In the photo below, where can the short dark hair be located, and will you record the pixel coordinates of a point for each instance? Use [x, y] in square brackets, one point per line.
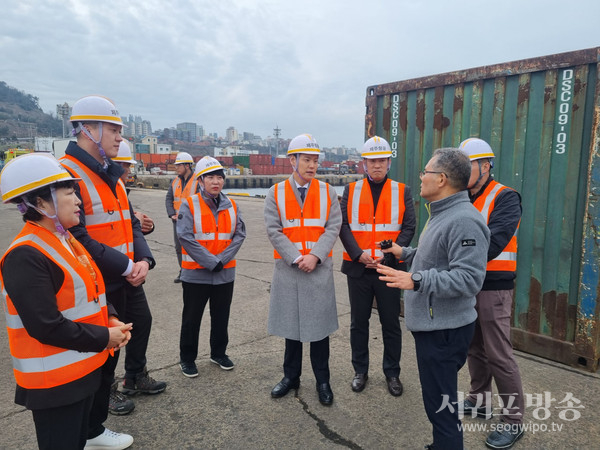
[455, 164]
[45, 194]
[218, 172]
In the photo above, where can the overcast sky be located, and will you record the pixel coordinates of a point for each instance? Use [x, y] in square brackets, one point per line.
[302, 64]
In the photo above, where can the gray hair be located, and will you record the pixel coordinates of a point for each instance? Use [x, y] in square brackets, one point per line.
[455, 164]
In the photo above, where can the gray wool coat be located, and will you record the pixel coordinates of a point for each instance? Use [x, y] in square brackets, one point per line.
[302, 304]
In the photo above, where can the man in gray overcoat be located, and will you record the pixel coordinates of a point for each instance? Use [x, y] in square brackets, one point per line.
[303, 220]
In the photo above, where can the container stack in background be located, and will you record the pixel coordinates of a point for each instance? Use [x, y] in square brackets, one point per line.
[263, 164]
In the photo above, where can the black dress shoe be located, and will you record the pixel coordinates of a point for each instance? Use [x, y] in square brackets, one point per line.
[325, 394]
[359, 382]
[394, 386]
[284, 386]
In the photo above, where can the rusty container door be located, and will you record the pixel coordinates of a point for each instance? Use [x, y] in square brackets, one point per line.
[541, 117]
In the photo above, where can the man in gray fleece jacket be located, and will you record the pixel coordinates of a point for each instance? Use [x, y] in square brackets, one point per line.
[447, 271]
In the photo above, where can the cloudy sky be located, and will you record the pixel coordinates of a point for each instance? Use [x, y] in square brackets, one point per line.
[302, 64]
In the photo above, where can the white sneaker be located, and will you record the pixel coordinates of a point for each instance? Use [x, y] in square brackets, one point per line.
[109, 440]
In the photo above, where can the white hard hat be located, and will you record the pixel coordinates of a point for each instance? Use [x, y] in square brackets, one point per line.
[207, 165]
[95, 108]
[124, 154]
[476, 148]
[184, 158]
[304, 143]
[375, 148]
[29, 172]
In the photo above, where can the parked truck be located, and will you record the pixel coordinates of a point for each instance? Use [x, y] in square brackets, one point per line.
[11, 153]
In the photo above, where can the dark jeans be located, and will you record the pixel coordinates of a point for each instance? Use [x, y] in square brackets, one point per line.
[319, 359]
[361, 292]
[195, 297]
[64, 427]
[440, 355]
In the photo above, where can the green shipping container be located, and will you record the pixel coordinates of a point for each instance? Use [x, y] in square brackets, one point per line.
[542, 118]
[242, 160]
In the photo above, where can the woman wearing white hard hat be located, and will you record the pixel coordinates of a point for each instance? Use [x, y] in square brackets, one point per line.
[60, 330]
[211, 231]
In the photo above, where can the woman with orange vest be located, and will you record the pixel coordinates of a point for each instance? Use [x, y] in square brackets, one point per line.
[211, 232]
[59, 329]
[179, 190]
[303, 220]
[374, 209]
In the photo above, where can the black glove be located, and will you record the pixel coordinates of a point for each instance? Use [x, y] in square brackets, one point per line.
[218, 267]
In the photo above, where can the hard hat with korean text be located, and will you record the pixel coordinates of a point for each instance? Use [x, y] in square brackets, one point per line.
[95, 108]
[375, 148]
[304, 143]
[207, 165]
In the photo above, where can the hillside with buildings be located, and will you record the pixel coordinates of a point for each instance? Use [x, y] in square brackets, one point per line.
[21, 117]
[23, 125]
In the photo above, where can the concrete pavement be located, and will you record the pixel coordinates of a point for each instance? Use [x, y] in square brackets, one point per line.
[234, 409]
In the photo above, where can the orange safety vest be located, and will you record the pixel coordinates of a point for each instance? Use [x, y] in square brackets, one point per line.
[81, 298]
[193, 186]
[303, 225]
[107, 218]
[180, 192]
[370, 226]
[507, 260]
[215, 236]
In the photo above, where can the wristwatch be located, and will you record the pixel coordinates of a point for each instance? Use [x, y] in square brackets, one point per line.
[416, 279]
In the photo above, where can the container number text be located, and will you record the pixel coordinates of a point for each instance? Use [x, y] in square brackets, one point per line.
[564, 108]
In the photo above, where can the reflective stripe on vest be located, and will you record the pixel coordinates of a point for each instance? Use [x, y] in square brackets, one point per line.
[370, 226]
[215, 236]
[79, 299]
[180, 193]
[303, 225]
[507, 260]
[107, 218]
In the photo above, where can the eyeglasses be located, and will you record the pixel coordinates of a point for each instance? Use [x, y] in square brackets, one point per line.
[423, 172]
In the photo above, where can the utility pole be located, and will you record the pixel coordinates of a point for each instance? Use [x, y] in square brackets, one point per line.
[63, 111]
[277, 133]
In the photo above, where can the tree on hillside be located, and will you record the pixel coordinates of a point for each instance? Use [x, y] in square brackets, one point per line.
[11, 95]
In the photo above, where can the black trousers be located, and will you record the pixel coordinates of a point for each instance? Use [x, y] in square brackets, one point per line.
[131, 306]
[361, 292]
[177, 244]
[63, 427]
[195, 297]
[440, 355]
[319, 359]
[138, 312]
[99, 411]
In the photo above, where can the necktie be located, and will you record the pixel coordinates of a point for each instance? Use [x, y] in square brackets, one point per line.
[302, 192]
